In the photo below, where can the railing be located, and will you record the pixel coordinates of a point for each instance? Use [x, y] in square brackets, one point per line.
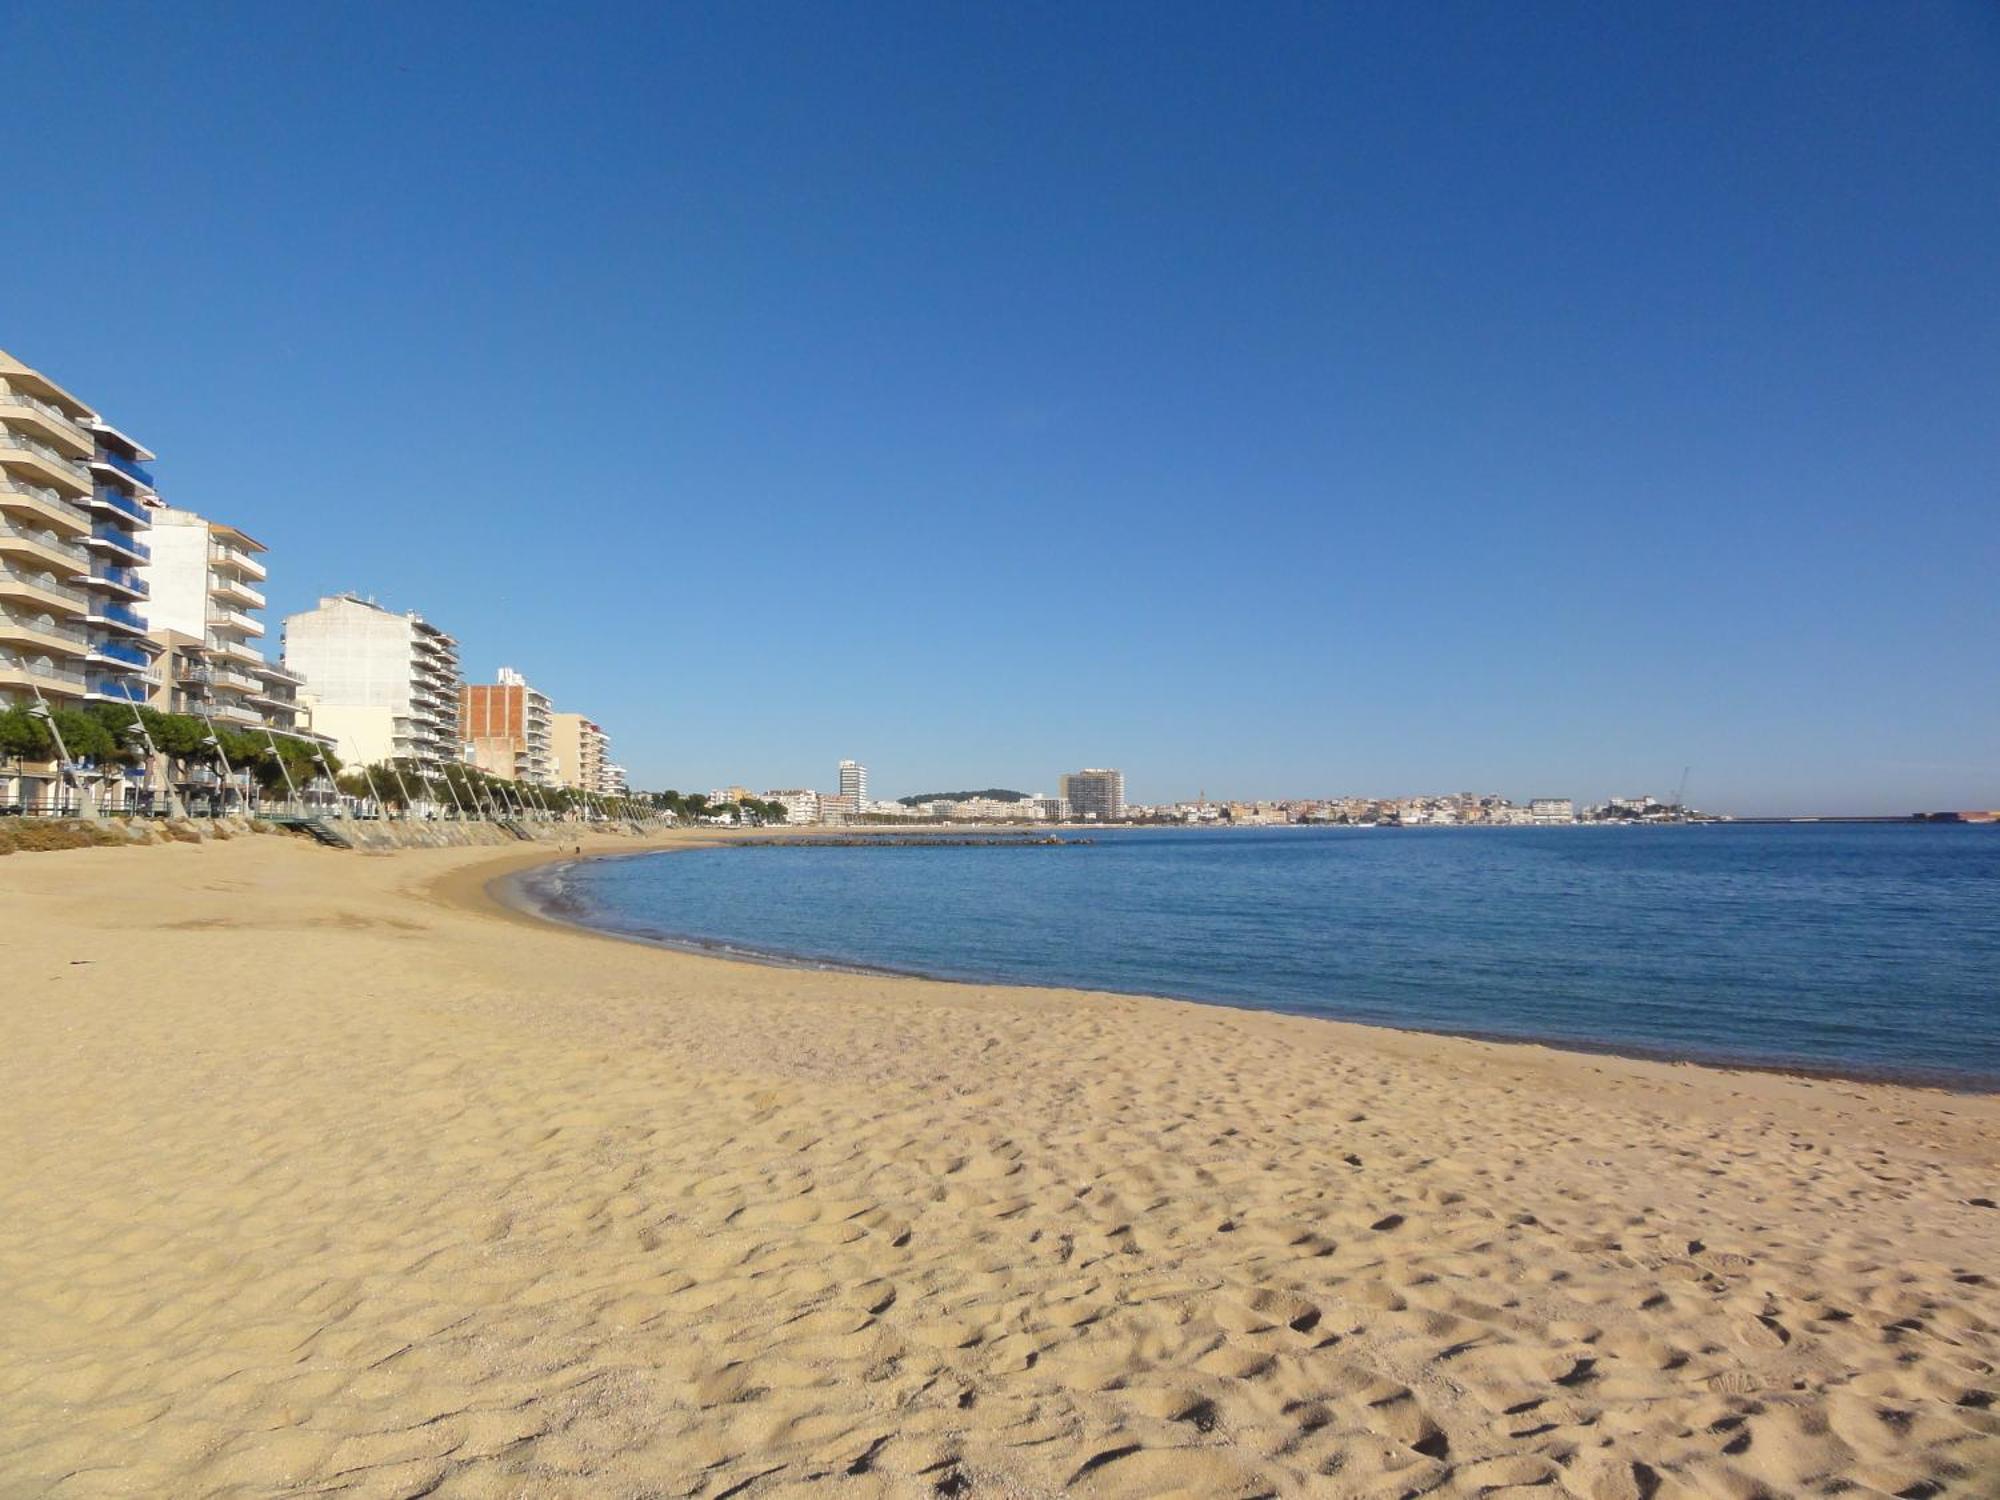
[241, 650]
[132, 656]
[117, 687]
[236, 557]
[126, 466]
[187, 671]
[33, 534]
[104, 531]
[20, 440]
[125, 578]
[12, 397]
[234, 678]
[35, 491]
[121, 613]
[41, 581]
[47, 671]
[222, 583]
[118, 500]
[44, 625]
[236, 619]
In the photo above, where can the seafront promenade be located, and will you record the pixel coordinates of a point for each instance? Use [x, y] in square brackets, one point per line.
[327, 1173]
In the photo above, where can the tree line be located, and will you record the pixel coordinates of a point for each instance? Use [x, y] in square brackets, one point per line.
[101, 734]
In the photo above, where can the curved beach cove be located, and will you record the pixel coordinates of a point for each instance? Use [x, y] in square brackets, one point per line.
[327, 1174]
[1866, 951]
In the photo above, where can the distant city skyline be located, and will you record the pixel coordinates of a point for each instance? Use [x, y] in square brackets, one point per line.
[1391, 401]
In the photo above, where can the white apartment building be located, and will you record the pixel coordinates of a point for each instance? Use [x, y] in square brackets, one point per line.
[203, 579]
[1551, 810]
[801, 804]
[379, 683]
[614, 782]
[854, 784]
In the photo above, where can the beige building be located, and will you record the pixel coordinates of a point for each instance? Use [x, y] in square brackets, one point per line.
[581, 750]
[45, 534]
[74, 505]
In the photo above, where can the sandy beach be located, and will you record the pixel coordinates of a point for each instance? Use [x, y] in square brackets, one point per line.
[323, 1173]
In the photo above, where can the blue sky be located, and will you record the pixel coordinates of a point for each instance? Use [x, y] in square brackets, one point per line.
[1267, 399]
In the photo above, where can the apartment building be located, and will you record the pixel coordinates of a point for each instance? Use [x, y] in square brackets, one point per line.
[67, 540]
[74, 494]
[44, 523]
[801, 804]
[854, 784]
[579, 750]
[1552, 810]
[204, 578]
[380, 684]
[1097, 794]
[614, 781]
[509, 728]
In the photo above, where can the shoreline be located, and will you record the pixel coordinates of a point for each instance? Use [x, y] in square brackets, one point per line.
[514, 891]
[328, 1171]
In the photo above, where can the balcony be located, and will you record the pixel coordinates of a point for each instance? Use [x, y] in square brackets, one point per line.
[110, 575]
[117, 689]
[48, 631]
[50, 416]
[138, 473]
[123, 504]
[18, 447]
[105, 537]
[110, 612]
[22, 498]
[118, 651]
[224, 555]
[234, 650]
[192, 671]
[40, 586]
[227, 587]
[43, 546]
[235, 619]
[41, 672]
[234, 677]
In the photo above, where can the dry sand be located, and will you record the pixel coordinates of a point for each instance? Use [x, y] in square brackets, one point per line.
[319, 1174]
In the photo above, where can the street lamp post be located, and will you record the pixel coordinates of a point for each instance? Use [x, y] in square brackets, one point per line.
[86, 804]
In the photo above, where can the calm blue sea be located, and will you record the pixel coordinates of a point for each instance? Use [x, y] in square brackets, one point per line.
[1862, 949]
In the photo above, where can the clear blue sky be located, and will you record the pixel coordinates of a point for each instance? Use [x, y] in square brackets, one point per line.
[1267, 399]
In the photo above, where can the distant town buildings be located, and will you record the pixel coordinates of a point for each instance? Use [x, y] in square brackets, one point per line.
[1095, 795]
[1552, 810]
[383, 685]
